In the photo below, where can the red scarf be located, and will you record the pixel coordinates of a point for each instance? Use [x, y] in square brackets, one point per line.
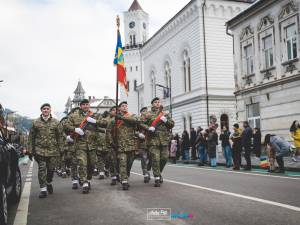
[155, 122]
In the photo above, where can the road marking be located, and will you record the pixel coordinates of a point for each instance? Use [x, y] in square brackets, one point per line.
[228, 171]
[232, 194]
[22, 212]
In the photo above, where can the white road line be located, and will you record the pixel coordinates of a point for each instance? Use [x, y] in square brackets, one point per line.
[233, 194]
[229, 171]
[22, 212]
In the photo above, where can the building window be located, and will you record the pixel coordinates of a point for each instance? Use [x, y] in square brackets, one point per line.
[135, 85]
[291, 41]
[186, 71]
[136, 68]
[190, 122]
[132, 40]
[153, 82]
[167, 80]
[253, 115]
[248, 60]
[268, 52]
[131, 69]
[184, 123]
[128, 86]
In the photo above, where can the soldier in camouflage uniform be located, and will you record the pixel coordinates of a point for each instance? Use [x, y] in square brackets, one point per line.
[143, 150]
[110, 144]
[102, 154]
[45, 144]
[126, 128]
[160, 124]
[84, 124]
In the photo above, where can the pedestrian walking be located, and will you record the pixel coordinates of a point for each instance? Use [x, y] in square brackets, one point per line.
[227, 151]
[45, 143]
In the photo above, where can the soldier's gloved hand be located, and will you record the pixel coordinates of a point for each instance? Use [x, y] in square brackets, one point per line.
[79, 131]
[164, 119]
[91, 120]
[141, 135]
[69, 139]
[151, 129]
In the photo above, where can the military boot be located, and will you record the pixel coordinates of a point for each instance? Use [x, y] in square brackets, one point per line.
[125, 185]
[161, 180]
[147, 178]
[64, 175]
[75, 184]
[113, 181]
[101, 175]
[157, 182]
[106, 172]
[85, 188]
[50, 188]
[43, 193]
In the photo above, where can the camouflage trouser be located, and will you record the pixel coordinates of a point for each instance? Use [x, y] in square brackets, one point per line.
[46, 169]
[86, 160]
[113, 164]
[71, 162]
[159, 156]
[102, 159]
[125, 163]
[144, 154]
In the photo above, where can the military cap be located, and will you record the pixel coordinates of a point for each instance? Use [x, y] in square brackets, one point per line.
[44, 105]
[142, 109]
[84, 101]
[124, 102]
[114, 107]
[156, 98]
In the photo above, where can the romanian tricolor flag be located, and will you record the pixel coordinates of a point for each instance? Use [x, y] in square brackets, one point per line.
[119, 62]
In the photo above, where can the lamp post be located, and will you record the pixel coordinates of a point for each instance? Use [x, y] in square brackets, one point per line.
[170, 95]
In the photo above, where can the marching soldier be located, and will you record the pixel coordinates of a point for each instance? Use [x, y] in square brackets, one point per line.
[83, 124]
[144, 153]
[126, 128]
[45, 144]
[110, 144]
[158, 139]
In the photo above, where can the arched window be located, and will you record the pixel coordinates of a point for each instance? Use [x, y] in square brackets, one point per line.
[153, 82]
[167, 80]
[186, 71]
[132, 40]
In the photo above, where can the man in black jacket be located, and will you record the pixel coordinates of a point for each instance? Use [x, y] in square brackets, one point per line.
[246, 143]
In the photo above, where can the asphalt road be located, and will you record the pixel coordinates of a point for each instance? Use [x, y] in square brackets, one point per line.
[197, 195]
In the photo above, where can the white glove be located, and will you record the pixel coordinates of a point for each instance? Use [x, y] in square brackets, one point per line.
[91, 120]
[164, 119]
[79, 131]
[141, 136]
[69, 139]
[152, 129]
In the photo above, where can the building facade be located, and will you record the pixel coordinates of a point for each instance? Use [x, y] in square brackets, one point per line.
[187, 63]
[266, 62]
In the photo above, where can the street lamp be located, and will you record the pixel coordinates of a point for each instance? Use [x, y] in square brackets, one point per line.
[170, 95]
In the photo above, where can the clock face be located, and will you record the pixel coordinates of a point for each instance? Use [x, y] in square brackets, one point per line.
[132, 24]
[144, 25]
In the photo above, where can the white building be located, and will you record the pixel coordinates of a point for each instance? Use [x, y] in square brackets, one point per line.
[266, 60]
[191, 55]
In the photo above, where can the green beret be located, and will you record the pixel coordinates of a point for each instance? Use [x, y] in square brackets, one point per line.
[156, 98]
[84, 101]
[124, 102]
[44, 105]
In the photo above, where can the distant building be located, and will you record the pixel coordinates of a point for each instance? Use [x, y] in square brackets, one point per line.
[98, 105]
[187, 62]
[267, 66]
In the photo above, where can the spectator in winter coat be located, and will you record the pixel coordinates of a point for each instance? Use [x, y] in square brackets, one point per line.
[257, 142]
[224, 138]
[246, 143]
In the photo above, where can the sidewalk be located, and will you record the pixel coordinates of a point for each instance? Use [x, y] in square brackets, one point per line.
[289, 164]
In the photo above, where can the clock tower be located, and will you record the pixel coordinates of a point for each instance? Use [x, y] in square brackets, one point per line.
[136, 23]
[136, 28]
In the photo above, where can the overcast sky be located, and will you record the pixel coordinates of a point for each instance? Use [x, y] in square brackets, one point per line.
[46, 46]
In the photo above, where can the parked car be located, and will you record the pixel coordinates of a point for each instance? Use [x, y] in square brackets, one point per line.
[10, 177]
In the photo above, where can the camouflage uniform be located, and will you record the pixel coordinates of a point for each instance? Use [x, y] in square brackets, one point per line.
[86, 145]
[112, 155]
[44, 144]
[126, 144]
[158, 141]
[102, 152]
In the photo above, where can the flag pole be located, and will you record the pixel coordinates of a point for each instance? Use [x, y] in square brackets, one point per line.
[117, 93]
